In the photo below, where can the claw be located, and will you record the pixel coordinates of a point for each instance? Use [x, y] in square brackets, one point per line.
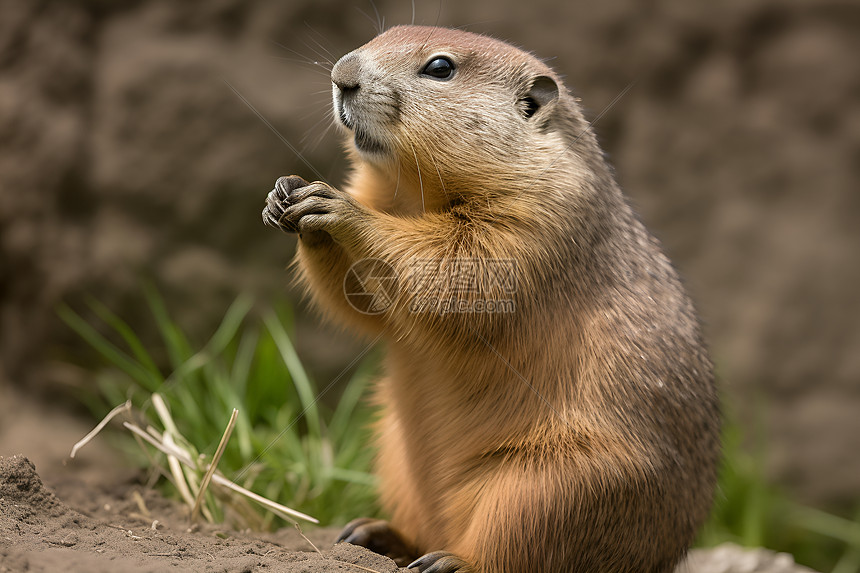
[378, 536]
[351, 526]
[277, 200]
[440, 562]
[287, 185]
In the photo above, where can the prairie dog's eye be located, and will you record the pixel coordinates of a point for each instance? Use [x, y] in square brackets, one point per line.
[439, 68]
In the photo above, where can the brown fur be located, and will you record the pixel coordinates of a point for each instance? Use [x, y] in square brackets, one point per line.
[578, 433]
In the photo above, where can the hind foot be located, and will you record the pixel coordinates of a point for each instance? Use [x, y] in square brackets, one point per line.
[378, 536]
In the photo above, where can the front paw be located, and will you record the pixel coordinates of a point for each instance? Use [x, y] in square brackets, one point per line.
[279, 199]
[318, 209]
[378, 536]
[441, 562]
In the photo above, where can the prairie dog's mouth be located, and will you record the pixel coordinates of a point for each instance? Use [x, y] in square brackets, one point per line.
[341, 112]
[363, 140]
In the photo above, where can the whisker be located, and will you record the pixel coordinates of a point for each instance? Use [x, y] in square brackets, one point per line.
[312, 145]
[433, 28]
[478, 23]
[380, 22]
[397, 185]
[318, 43]
[313, 129]
[314, 106]
[439, 173]
[307, 66]
[438, 14]
[304, 58]
[420, 180]
[272, 128]
[319, 101]
[366, 15]
[322, 56]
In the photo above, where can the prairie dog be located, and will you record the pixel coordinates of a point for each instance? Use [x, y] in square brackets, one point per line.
[576, 430]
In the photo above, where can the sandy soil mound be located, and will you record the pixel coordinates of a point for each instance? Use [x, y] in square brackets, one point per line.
[38, 532]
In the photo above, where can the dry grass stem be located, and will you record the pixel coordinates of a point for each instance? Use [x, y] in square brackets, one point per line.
[183, 457]
[141, 503]
[95, 431]
[195, 511]
[176, 470]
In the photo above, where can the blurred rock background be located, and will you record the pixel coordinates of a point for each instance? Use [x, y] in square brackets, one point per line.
[126, 156]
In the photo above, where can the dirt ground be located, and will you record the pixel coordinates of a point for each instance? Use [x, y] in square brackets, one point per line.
[83, 516]
[92, 514]
[41, 533]
[38, 532]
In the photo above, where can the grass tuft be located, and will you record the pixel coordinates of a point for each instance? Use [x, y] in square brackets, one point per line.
[750, 511]
[286, 443]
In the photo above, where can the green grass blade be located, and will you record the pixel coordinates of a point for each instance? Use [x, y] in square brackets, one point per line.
[178, 349]
[828, 524]
[244, 432]
[244, 360]
[103, 346]
[230, 324]
[353, 476]
[124, 330]
[342, 421]
[304, 387]
[226, 331]
[849, 562]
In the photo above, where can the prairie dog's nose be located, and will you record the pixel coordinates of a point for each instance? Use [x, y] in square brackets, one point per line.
[346, 72]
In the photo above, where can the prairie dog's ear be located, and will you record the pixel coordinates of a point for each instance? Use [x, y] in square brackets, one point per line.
[542, 94]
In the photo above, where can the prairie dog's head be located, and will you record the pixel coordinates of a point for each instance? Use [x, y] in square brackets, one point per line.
[454, 109]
